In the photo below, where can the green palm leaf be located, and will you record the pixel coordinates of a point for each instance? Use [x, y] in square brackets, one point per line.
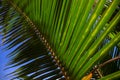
[60, 39]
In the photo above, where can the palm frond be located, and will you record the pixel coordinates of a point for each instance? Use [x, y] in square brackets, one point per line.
[77, 35]
[31, 56]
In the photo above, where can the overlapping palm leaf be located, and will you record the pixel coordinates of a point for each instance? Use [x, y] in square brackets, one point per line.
[31, 56]
[82, 33]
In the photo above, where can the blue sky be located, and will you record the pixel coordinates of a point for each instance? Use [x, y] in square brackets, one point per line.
[4, 60]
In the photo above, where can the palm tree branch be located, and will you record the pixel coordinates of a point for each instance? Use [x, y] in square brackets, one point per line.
[41, 37]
